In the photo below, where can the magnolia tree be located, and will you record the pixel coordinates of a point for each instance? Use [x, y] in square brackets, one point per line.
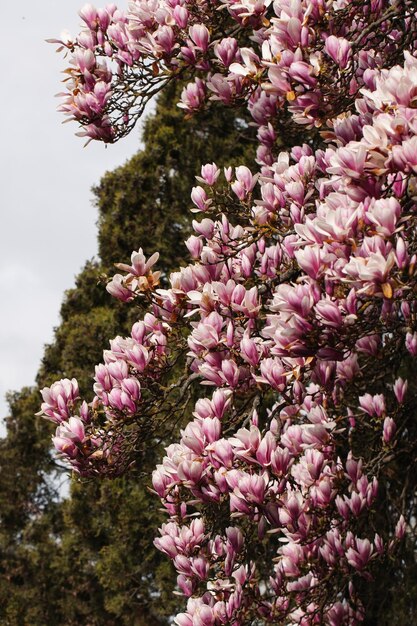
[296, 318]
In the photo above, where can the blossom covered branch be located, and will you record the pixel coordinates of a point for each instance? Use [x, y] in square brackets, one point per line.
[303, 61]
[295, 318]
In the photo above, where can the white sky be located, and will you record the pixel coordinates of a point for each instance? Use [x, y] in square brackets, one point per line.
[47, 219]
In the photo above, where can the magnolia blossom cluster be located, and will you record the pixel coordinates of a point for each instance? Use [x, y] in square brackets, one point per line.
[289, 539]
[301, 285]
[295, 315]
[303, 60]
[87, 435]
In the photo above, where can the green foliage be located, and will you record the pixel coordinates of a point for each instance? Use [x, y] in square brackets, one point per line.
[89, 559]
[24, 458]
[25, 496]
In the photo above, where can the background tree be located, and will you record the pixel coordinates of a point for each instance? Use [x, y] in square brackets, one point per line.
[89, 558]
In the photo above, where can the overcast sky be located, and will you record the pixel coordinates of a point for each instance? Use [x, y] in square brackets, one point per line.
[47, 219]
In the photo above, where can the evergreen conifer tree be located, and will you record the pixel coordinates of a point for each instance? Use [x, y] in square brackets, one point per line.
[89, 558]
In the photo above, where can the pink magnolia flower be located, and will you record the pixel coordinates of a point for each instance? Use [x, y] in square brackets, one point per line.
[339, 49]
[389, 429]
[59, 400]
[193, 95]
